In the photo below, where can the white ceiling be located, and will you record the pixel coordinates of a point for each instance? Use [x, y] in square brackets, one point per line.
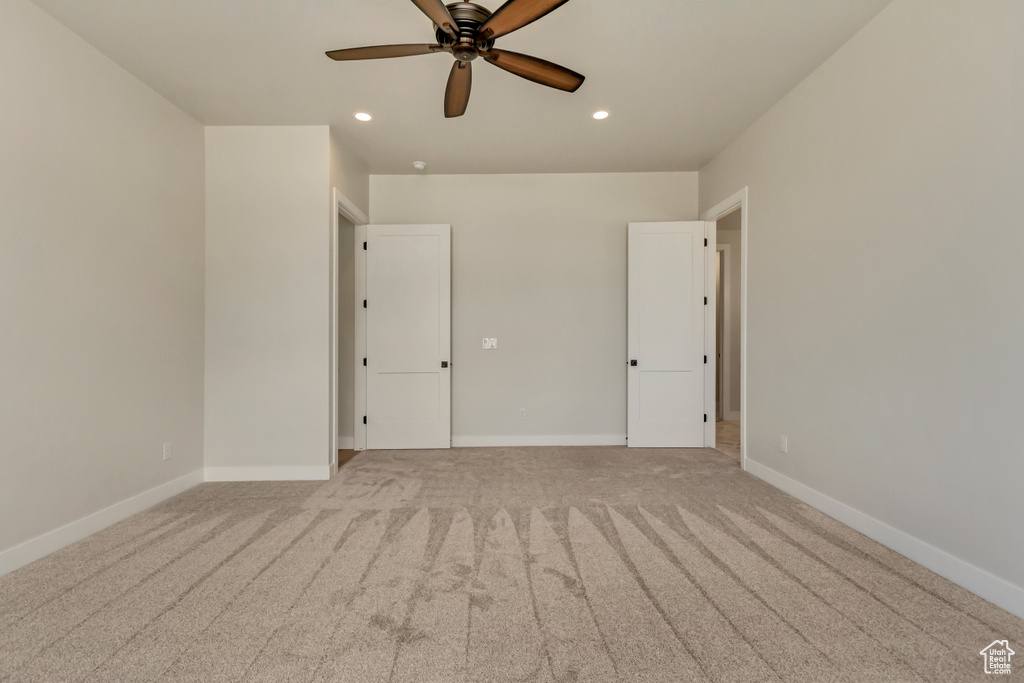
[681, 78]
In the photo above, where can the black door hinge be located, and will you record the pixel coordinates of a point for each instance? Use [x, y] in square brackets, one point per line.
[705, 302]
[364, 303]
[705, 243]
[364, 245]
[364, 361]
[364, 419]
[705, 360]
[705, 417]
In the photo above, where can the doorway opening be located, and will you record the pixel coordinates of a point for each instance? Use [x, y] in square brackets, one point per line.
[728, 363]
[721, 258]
[346, 294]
[730, 339]
[347, 232]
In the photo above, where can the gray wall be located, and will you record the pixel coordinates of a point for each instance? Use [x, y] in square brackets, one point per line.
[101, 281]
[350, 175]
[268, 287]
[538, 261]
[885, 320]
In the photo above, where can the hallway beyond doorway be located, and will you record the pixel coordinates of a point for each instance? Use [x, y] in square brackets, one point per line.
[727, 437]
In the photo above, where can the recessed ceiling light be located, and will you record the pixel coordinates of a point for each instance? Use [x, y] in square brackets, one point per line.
[419, 165]
[600, 115]
[363, 116]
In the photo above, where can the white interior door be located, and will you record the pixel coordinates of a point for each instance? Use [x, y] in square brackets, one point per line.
[408, 336]
[667, 303]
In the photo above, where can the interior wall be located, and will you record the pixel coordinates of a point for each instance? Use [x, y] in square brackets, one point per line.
[346, 333]
[351, 175]
[539, 262]
[268, 298]
[729, 233]
[885, 248]
[101, 281]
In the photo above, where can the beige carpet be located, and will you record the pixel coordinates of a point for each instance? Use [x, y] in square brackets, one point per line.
[542, 564]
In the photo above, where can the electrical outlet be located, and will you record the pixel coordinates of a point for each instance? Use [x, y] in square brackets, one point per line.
[784, 444]
[490, 343]
[167, 451]
[522, 413]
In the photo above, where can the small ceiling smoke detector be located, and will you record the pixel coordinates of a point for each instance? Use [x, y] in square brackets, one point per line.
[419, 165]
[363, 116]
[599, 115]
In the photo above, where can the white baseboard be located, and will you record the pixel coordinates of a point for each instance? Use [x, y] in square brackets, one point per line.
[994, 589]
[51, 541]
[313, 473]
[539, 440]
[347, 443]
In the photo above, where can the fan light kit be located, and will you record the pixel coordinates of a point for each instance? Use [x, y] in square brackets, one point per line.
[467, 31]
[600, 115]
[363, 116]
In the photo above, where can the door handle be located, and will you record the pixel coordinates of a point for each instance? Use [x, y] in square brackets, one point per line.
[444, 364]
[633, 363]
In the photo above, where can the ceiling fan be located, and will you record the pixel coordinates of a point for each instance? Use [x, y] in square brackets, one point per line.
[467, 31]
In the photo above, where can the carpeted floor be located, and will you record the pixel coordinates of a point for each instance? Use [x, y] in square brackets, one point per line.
[525, 564]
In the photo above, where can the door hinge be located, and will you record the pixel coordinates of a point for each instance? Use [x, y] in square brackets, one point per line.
[705, 243]
[364, 419]
[364, 302]
[364, 361]
[364, 245]
[705, 360]
[705, 302]
[705, 417]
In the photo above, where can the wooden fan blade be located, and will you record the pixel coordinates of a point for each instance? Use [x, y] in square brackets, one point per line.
[515, 14]
[456, 95]
[439, 14]
[383, 51]
[534, 69]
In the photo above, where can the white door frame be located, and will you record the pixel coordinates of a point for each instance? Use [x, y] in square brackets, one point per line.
[710, 332]
[342, 205]
[738, 200]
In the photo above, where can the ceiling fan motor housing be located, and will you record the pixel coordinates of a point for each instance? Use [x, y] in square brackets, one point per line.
[469, 17]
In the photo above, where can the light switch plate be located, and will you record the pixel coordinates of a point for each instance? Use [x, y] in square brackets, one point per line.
[490, 343]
